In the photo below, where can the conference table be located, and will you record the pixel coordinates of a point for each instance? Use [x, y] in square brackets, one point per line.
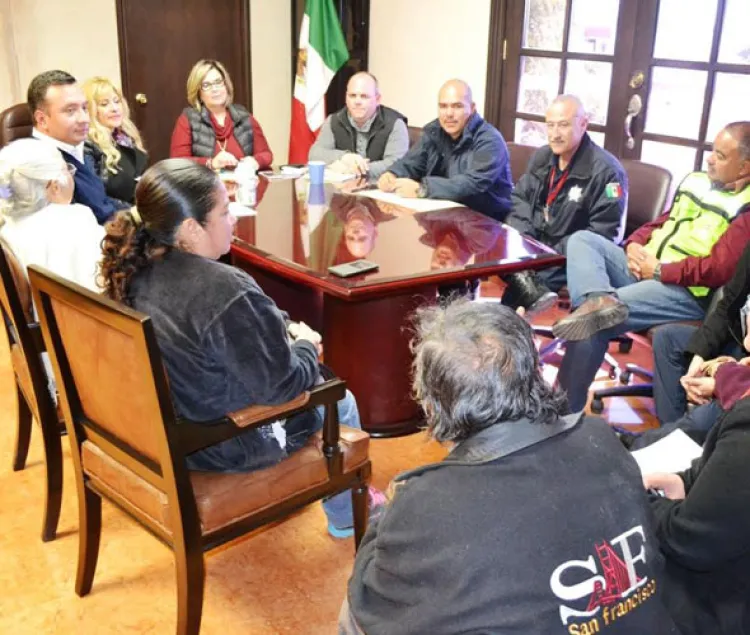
[300, 231]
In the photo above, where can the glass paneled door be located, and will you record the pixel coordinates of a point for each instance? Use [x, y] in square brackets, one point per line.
[659, 78]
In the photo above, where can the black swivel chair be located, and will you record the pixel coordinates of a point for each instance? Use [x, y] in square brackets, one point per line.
[520, 155]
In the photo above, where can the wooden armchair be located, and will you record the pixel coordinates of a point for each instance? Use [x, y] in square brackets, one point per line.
[128, 446]
[32, 388]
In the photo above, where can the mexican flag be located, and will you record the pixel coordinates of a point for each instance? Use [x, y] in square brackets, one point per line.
[322, 51]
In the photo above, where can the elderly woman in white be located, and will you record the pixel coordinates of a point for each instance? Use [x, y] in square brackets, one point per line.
[38, 223]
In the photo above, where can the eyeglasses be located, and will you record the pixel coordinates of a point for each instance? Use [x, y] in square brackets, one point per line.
[71, 169]
[217, 83]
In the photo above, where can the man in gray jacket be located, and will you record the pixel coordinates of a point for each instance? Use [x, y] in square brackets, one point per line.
[364, 137]
[460, 157]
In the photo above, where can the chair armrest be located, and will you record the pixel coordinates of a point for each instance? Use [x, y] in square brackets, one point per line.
[194, 436]
[254, 415]
[36, 337]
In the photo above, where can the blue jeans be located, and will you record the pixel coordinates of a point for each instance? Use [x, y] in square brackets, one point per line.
[258, 449]
[596, 265]
[670, 364]
[696, 423]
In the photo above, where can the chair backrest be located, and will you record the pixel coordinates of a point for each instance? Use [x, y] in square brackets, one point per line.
[648, 188]
[112, 385]
[26, 346]
[15, 123]
[520, 155]
[415, 134]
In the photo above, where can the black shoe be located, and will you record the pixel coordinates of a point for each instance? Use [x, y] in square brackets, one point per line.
[594, 315]
[524, 289]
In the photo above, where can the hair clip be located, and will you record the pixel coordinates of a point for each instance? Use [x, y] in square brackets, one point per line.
[5, 192]
[136, 216]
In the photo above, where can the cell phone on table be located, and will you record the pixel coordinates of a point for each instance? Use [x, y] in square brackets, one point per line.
[354, 268]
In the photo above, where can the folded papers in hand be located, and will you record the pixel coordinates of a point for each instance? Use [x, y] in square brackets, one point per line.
[674, 453]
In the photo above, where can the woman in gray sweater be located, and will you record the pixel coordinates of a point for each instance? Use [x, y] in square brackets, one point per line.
[224, 342]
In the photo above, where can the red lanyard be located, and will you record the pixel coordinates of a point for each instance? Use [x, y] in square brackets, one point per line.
[554, 191]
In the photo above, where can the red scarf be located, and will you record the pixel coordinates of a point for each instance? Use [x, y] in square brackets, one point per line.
[223, 132]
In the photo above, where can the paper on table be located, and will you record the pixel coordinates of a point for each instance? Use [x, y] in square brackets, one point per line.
[673, 453]
[417, 204]
[238, 210]
[277, 176]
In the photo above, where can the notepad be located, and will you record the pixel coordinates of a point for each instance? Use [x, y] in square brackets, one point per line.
[673, 453]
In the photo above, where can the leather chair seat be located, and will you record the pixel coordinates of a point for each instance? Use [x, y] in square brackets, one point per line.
[224, 498]
[15, 123]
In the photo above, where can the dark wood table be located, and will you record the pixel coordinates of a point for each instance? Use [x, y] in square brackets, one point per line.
[364, 320]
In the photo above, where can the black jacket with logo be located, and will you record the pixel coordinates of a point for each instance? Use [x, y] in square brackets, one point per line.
[584, 202]
[486, 543]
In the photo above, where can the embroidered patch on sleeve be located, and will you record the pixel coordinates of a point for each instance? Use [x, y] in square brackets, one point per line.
[613, 190]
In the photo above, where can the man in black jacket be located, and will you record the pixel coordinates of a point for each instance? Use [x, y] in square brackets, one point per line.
[460, 157]
[703, 529]
[535, 523]
[364, 137]
[569, 185]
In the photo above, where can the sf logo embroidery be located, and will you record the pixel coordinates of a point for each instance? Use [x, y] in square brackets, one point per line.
[609, 583]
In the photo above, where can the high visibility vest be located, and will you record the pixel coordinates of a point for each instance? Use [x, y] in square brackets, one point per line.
[699, 216]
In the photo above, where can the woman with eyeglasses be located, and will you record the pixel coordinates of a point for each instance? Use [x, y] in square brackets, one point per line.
[38, 222]
[114, 147]
[212, 130]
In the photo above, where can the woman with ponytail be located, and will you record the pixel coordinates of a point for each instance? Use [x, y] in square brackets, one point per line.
[38, 223]
[224, 342]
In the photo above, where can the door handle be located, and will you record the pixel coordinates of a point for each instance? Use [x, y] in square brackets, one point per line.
[635, 106]
[141, 98]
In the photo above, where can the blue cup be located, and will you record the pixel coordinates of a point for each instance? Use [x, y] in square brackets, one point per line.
[316, 171]
[316, 194]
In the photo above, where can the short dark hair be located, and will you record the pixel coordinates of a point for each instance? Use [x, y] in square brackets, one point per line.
[740, 130]
[475, 365]
[37, 93]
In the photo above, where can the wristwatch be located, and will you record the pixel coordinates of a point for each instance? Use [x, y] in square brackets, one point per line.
[421, 191]
[657, 272]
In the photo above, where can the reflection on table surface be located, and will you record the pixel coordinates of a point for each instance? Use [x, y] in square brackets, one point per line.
[320, 226]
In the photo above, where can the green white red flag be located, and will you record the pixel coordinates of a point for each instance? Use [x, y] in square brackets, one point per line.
[322, 51]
